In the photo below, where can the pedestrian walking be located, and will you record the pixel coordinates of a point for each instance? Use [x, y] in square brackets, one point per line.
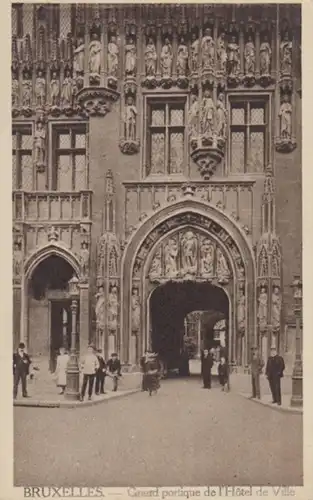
[143, 365]
[257, 365]
[100, 375]
[275, 371]
[90, 366]
[21, 365]
[206, 368]
[223, 373]
[152, 371]
[114, 369]
[61, 369]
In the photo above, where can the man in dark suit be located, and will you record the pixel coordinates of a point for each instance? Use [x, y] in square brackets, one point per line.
[275, 371]
[206, 367]
[256, 369]
[100, 373]
[114, 368]
[21, 364]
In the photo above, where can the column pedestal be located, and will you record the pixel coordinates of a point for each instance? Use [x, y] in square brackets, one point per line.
[133, 349]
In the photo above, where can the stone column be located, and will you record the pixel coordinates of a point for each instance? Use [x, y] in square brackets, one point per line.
[84, 318]
[17, 314]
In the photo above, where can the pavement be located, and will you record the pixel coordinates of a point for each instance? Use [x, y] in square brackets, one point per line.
[183, 434]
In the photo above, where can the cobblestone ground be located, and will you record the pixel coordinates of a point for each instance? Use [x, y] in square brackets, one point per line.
[183, 435]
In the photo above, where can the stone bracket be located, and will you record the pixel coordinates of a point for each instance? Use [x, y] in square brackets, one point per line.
[96, 101]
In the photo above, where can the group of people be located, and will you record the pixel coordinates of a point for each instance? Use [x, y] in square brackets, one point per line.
[274, 371]
[207, 362]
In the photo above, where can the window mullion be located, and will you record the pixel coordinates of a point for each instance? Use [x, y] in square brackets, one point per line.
[248, 150]
[72, 156]
[167, 158]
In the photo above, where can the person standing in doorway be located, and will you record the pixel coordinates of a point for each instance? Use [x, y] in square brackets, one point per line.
[256, 370]
[275, 371]
[100, 375]
[21, 364]
[90, 366]
[114, 367]
[206, 367]
[61, 369]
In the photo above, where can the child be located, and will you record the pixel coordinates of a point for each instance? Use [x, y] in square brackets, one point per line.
[223, 374]
[114, 369]
[61, 368]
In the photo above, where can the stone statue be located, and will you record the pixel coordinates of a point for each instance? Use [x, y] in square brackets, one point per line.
[221, 53]
[156, 267]
[40, 89]
[193, 115]
[113, 309]
[241, 311]
[207, 113]
[113, 52]
[17, 259]
[249, 55]
[220, 116]
[233, 57]
[286, 55]
[276, 308]
[130, 57]
[166, 58]
[265, 56]
[94, 55]
[54, 89]
[194, 53]
[189, 246]
[79, 57]
[150, 58]
[170, 258]
[206, 259]
[15, 93]
[222, 269]
[100, 309]
[207, 50]
[84, 258]
[262, 309]
[285, 113]
[53, 233]
[130, 119]
[27, 93]
[67, 90]
[182, 58]
[135, 303]
[40, 144]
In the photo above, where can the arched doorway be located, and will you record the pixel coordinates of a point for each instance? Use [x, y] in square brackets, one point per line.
[171, 303]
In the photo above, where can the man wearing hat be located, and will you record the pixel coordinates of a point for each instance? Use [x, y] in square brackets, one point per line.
[21, 364]
[114, 369]
[90, 366]
[275, 371]
[256, 369]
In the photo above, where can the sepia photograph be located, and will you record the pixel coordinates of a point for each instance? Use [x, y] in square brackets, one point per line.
[157, 246]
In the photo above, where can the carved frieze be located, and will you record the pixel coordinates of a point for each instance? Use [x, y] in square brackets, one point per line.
[96, 101]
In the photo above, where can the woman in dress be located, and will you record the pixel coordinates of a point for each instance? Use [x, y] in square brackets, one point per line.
[61, 368]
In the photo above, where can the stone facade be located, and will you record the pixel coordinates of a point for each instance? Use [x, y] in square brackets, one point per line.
[156, 144]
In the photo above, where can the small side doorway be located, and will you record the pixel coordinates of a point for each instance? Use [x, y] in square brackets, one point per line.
[60, 328]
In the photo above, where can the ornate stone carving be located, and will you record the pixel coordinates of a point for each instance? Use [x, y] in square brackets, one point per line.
[193, 116]
[170, 258]
[17, 257]
[135, 305]
[94, 61]
[27, 89]
[189, 250]
[100, 309]
[221, 54]
[40, 90]
[262, 309]
[108, 255]
[285, 143]
[54, 93]
[15, 94]
[233, 61]
[241, 311]
[265, 62]
[53, 233]
[150, 59]
[130, 57]
[67, 91]
[286, 55]
[113, 56]
[207, 259]
[276, 309]
[129, 143]
[96, 101]
[222, 268]
[249, 56]
[113, 308]
[221, 117]
[40, 138]
[207, 50]
[194, 53]
[156, 267]
[166, 59]
[79, 57]
[84, 259]
[207, 114]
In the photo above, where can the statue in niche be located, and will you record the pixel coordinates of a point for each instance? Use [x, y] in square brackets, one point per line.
[262, 309]
[207, 50]
[194, 52]
[182, 58]
[100, 309]
[17, 258]
[207, 259]
[276, 308]
[263, 266]
[84, 258]
[265, 56]
[130, 57]
[40, 89]
[207, 113]
[54, 89]
[94, 55]
[79, 56]
[135, 304]
[221, 53]
[220, 116]
[67, 90]
[27, 93]
[113, 52]
[113, 262]
[286, 54]
[222, 269]
[53, 233]
[193, 115]
[15, 92]
[275, 263]
[156, 266]
[285, 114]
[233, 57]
[241, 310]
[249, 55]
[189, 246]
[170, 258]
[166, 58]
[130, 119]
[40, 144]
[150, 58]
[113, 309]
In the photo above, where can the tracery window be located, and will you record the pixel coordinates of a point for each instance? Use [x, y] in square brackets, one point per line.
[165, 132]
[69, 172]
[17, 20]
[22, 150]
[249, 134]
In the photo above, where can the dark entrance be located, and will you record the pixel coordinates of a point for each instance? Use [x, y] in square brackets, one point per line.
[169, 305]
[60, 328]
